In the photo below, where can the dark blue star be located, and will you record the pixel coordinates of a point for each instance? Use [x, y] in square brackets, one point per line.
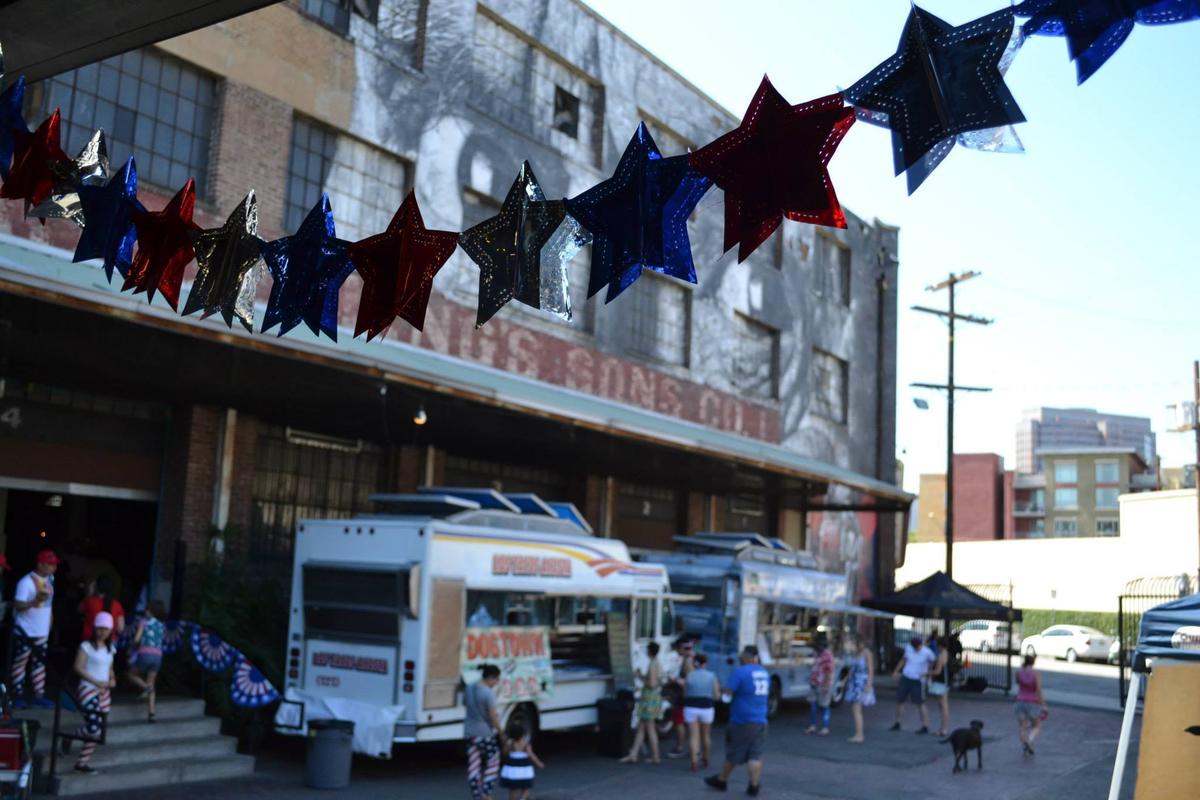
[942, 81]
[11, 120]
[309, 268]
[1095, 29]
[108, 231]
[638, 217]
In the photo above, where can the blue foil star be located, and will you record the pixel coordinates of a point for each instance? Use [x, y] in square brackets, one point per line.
[11, 120]
[1095, 29]
[309, 268]
[638, 217]
[109, 232]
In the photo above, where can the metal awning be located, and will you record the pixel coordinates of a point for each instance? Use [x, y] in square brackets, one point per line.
[46, 273]
[46, 37]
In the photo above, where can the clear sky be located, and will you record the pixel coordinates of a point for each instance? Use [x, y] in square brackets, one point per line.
[1088, 242]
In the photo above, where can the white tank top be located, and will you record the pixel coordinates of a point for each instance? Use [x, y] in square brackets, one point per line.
[99, 664]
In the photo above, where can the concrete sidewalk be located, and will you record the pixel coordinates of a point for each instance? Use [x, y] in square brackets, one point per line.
[1073, 762]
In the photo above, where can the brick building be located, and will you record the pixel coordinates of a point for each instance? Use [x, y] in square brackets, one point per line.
[979, 497]
[762, 399]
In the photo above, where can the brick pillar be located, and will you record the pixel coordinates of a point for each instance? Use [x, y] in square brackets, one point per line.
[697, 513]
[251, 152]
[406, 474]
[245, 449]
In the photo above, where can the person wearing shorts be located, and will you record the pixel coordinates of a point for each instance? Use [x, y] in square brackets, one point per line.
[1030, 706]
[700, 696]
[748, 690]
[913, 668]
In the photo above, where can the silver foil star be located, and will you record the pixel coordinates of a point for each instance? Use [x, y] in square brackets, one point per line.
[89, 168]
[230, 266]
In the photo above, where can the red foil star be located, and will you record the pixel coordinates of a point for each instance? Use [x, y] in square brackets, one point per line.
[774, 165]
[397, 269]
[30, 178]
[164, 246]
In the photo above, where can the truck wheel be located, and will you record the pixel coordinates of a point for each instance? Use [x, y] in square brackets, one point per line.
[1072, 656]
[775, 698]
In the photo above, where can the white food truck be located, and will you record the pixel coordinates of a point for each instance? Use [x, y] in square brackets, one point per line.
[392, 614]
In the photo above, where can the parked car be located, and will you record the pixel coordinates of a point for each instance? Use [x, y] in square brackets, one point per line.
[987, 635]
[1071, 642]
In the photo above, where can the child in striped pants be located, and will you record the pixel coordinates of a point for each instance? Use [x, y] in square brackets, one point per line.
[94, 667]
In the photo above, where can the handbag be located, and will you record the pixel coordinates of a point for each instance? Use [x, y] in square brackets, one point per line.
[937, 689]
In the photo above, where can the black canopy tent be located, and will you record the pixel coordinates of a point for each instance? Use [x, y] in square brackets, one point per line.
[1169, 631]
[939, 597]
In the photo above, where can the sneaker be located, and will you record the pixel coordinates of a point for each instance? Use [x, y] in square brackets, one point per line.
[752, 789]
[895, 726]
[1028, 749]
[921, 731]
[43, 702]
[715, 782]
[677, 753]
[86, 769]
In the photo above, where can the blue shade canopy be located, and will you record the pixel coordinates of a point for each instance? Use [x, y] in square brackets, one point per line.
[530, 503]
[1171, 630]
[488, 499]
[569, 512]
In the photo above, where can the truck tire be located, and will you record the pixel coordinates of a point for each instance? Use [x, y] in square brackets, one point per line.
[774, 698]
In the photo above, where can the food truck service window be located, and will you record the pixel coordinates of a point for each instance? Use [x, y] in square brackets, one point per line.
[359, 603]
[491, 609]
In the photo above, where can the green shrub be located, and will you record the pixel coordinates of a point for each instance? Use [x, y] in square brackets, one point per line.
[1037, 620]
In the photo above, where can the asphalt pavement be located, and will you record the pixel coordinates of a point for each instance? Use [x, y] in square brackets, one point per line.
[1073, 762]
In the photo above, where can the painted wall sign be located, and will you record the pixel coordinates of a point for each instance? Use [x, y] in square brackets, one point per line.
[521, 653]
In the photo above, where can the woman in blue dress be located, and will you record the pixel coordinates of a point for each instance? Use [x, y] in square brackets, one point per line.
[860, 686]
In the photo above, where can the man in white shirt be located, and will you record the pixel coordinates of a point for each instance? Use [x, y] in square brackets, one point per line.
[913, 668]
[33, 601]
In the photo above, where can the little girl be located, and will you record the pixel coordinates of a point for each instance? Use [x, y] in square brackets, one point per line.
[94, 668]
[147, 654]
[516, 773]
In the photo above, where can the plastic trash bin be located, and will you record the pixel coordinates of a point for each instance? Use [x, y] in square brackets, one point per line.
[330, 748]
[613, 717]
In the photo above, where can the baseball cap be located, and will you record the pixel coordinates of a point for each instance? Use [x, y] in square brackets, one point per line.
[47, 557]
[103, 620]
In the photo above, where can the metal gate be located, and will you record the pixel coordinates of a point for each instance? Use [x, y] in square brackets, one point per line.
[993, 664]
[1138, 597]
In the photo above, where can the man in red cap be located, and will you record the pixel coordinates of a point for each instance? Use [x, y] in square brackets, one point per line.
[33, 601]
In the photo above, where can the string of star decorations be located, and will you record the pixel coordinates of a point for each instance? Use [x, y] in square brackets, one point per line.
[943, 86]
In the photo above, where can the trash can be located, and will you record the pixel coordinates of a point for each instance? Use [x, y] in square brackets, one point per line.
[614, 716]
[330, 747]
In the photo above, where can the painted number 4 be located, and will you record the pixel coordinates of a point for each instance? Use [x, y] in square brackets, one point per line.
[11, 417]
[762, 686]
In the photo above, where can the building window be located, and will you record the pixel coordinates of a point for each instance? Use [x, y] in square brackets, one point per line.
[306, 476]
[336, 13]
[151, 106]
[831, 269]
[1065, 472]
[1066, 498]
[1037, 529]
[1107, 497]
[1037, 500]
[1108, 472]
[830, 382]
[1108, 527]
[365, 184]
[756, 362]
[747, 512]
[478, 207]
[566, 112]
[660, 320]
[1066, 527]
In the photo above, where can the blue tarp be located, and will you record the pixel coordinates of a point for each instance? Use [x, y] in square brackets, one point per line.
[1171, 630]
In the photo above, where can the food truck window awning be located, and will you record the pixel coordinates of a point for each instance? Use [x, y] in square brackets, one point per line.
[36, 270]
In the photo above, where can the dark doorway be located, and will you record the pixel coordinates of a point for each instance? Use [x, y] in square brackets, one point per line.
[91, 535]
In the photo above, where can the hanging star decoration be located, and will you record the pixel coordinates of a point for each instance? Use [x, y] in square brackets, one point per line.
[164, 247]
[30, 178]
[638, 217]
[943, 81]
[774, 165]
[89, 168]
[512, 247]
[109, 234]
[12, 123]
[1096, 29]
[397, 268]
[229, 266]
[308, 268]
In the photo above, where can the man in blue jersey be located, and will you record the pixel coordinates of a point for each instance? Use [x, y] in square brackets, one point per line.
[747, 691]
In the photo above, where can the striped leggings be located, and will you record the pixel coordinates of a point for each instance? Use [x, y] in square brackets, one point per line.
[94, 704]
[483, 765]
[26, 649]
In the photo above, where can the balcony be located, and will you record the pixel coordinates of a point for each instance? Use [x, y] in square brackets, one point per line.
[1143, 482]
[1029, 510]
[1029, 481]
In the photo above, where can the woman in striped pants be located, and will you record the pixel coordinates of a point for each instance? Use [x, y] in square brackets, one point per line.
[94, 667]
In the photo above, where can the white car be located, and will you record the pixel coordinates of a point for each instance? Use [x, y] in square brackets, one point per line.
[987, 635]
[1071, 642]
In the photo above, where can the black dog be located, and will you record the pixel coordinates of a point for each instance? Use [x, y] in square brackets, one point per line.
[964, 740]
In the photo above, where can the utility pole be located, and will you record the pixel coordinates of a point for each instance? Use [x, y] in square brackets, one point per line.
[951, 316]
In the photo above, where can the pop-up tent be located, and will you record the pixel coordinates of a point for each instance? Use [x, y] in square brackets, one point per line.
[939, 597]
[1171, 632]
